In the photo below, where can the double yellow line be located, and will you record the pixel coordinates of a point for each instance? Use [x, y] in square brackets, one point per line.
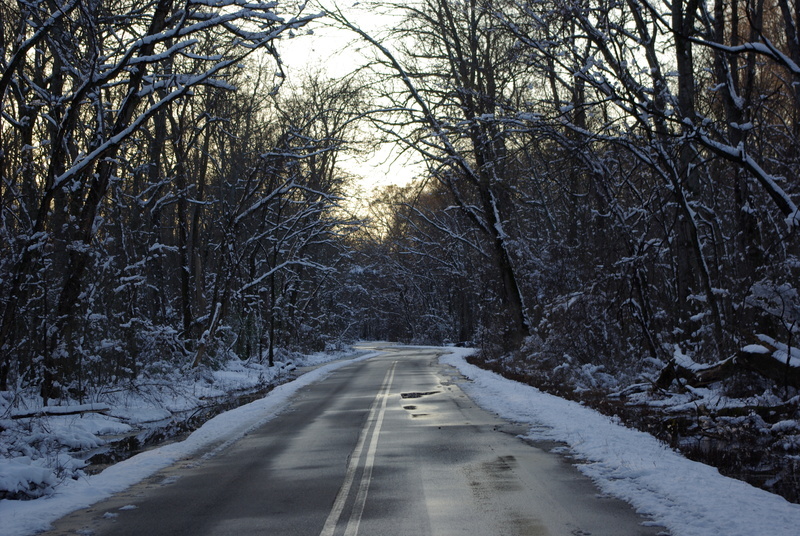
[370, 432]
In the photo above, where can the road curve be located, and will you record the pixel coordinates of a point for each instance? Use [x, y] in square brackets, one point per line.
[387, 446]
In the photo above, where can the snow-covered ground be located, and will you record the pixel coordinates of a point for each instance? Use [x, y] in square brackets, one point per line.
[687, 497]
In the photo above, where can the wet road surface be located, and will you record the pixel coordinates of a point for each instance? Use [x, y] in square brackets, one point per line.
[386, 446]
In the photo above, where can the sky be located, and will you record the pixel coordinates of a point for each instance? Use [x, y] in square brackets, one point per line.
[336, 52]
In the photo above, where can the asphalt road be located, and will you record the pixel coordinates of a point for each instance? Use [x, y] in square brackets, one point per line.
[387, 446]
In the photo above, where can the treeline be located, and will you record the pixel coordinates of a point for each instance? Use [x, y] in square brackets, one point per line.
[163, 203]
[607, 180]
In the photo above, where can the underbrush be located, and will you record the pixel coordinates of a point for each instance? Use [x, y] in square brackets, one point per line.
[751, 434]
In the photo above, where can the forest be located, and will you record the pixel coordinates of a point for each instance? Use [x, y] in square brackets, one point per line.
[608, 207]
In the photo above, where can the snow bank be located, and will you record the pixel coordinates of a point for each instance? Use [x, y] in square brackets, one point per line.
[18, 518]
[688, 498]
[23, 473]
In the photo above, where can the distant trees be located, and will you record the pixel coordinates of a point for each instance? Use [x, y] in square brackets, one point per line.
[156, 201]
[448, 87]
[423, 269]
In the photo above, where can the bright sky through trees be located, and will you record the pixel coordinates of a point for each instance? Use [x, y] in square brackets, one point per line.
[339, 53]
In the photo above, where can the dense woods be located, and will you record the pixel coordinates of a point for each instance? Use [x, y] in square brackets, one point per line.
[610, 190]
[607, 180]
[163, 202]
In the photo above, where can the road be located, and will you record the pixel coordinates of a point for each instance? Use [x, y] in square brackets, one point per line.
[386, 446]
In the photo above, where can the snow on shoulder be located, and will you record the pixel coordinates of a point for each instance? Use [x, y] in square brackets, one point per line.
[20, 518]
[686, 497]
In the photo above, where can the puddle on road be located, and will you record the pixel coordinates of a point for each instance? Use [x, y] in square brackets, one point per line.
[500, 465]
[415, 395]
[418, 395]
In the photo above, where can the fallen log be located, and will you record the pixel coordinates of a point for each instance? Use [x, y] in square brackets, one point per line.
[758, 359]
[63, 410]
[770, 367]
[697, 375]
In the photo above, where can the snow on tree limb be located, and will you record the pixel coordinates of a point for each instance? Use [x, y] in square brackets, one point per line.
[770, 183]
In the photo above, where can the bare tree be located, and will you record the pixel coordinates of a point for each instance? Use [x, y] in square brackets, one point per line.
[99, 75]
